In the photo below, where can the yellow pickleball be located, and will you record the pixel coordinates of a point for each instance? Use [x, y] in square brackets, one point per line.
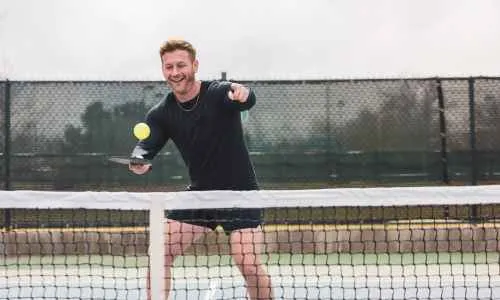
[142, 131]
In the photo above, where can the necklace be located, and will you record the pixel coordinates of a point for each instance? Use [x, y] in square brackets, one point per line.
[192, 107]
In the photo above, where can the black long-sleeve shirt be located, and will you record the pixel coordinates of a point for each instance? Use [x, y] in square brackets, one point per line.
[209, 135]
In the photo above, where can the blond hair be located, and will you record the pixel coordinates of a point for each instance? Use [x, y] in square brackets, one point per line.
[177, 44]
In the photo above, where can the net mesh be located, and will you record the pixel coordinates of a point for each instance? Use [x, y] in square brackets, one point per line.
[380, 243]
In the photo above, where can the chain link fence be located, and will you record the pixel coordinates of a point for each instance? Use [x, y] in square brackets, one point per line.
[301, 134]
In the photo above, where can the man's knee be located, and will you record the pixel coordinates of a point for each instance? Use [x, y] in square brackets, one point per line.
[249, 270]
[180, 236]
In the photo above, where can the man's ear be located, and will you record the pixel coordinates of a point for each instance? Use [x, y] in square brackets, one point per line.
[195, 65]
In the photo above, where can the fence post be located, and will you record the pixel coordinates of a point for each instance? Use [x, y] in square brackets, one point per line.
[472, 130]
[7, 138]
[472, 135]
[442, 133]
[328, 129]
[7, 151]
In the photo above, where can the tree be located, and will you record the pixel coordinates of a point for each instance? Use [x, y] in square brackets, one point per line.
[404, 121]
[104, 130]
[488, 123]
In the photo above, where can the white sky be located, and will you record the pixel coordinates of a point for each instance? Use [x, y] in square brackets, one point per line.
[251, 39]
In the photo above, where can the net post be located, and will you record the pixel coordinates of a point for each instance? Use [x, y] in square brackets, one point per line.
[157, 248]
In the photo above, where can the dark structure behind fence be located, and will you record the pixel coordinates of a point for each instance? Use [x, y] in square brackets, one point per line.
[302, 134]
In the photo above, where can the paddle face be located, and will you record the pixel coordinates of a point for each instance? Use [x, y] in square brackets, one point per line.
[130, 160]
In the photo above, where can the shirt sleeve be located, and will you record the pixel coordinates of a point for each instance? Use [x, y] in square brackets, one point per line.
[149, 147]
[236, 105]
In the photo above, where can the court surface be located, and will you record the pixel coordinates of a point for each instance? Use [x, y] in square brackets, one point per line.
[394, 276]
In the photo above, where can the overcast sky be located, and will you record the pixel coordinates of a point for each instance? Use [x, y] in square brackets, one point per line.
[251, 39]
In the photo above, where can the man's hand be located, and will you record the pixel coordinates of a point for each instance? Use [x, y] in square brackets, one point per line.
[139, 169]
[238, 92]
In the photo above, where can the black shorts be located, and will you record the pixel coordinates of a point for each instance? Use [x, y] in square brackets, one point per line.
[229, 219]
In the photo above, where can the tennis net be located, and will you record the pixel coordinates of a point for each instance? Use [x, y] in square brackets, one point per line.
[353, 243]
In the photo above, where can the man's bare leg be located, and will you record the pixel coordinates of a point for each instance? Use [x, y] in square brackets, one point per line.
[178, 237]
[246, 245]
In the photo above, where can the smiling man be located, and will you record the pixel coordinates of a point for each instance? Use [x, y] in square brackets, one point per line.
[202, 118]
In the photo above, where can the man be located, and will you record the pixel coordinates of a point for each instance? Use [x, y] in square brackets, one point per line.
[202, 118]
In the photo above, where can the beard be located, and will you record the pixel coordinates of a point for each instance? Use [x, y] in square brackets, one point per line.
[183, 86]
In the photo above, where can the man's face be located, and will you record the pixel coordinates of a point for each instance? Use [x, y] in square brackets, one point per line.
[179, 70]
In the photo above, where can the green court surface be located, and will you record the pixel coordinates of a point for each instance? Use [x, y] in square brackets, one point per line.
[321, 276]
[271, 259]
